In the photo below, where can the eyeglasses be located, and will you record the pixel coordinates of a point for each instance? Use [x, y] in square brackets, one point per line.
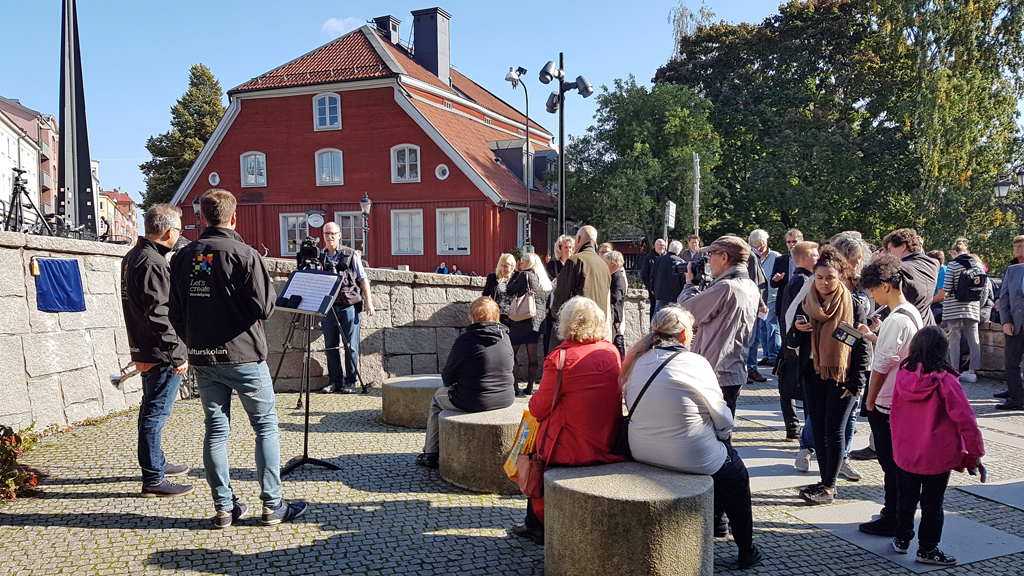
[332, 233]
[791, 242]
[181, 231]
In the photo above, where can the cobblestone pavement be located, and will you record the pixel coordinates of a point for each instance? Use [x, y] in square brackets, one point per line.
[381, 514]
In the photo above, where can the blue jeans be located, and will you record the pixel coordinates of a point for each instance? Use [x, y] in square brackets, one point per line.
[333, 324]
[755, 338]
[256, 391]
[159, 389]
[771, 338]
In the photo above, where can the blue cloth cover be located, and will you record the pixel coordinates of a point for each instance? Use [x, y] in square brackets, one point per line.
[59, 286]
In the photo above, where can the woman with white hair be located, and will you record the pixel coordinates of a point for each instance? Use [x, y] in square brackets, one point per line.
[619, 286]
[579, 412]
[531, 276]
[680, 420]
[496, 285]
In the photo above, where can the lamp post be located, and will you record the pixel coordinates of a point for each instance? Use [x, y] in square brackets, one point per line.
[364, 207]
[1002, 188]
[196, 208]
[515, 77]
[556, 103]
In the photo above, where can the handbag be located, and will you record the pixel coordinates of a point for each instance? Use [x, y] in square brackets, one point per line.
[530, 467]
[621, 446]
[523, 307]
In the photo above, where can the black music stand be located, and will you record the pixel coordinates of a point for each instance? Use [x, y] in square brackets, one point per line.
[310, 293]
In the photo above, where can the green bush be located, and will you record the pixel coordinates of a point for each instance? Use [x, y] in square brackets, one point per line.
[16, 479]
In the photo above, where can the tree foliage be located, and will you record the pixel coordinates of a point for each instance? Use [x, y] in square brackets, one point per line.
[638, 155]
[193, 118]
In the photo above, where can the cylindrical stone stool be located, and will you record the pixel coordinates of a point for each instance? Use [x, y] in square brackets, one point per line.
[627, 518]
[474, 446]
[406, 400]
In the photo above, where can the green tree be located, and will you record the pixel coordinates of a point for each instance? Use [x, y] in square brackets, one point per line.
[638, 155]
[193, 118]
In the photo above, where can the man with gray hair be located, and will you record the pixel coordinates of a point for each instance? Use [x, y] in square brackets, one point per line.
[667, 282]
[584, 274]
[766, 330]
[158, 353]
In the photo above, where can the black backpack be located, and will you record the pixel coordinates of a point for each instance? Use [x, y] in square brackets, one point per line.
[969, 285]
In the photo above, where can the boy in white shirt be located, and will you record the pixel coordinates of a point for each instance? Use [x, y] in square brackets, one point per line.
[884, 278]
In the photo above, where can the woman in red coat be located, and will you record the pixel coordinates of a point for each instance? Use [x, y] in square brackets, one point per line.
[581, 428]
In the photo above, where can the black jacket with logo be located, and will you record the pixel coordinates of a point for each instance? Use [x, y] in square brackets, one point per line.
[145, 292]
[221, 295]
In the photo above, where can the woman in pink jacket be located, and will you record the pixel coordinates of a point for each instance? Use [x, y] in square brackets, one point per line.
[933, 432]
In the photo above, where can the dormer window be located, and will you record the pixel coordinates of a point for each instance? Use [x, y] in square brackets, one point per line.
[327, 111]
[254, 169]
[405, 163]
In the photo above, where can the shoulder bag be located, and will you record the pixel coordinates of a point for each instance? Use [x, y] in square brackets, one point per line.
[523, 307]
[621, 446]
[530, 467]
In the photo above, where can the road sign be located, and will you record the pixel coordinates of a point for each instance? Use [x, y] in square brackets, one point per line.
[670, 214]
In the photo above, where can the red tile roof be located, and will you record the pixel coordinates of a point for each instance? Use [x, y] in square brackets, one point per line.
[481, 96]
[470, 139]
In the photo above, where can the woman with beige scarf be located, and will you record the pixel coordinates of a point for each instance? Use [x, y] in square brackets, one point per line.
[830, 386]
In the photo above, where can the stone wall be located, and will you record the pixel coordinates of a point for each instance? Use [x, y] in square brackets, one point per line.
[418, 317]
[55, 367]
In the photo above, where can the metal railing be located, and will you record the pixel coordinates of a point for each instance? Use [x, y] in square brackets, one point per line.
[44, 149]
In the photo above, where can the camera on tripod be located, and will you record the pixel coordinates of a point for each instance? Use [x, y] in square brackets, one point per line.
[17, 176]
[701, 271]
[307, 258]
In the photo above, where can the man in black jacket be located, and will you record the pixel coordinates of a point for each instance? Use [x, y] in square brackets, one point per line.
[222, 296]
[791, 366]
[667, 283]
[783, 271]
[922, 270]
[155, 348]
[647, 269]
[477, 376]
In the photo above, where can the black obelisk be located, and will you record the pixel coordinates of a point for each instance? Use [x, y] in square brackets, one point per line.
[76, 198]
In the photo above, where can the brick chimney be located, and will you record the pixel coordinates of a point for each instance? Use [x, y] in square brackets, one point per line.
[432, 48]
[388, 26]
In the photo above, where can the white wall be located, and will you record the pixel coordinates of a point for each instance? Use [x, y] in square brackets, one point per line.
[17, 151]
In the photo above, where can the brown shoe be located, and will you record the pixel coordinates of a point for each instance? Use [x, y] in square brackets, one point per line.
[755, 376]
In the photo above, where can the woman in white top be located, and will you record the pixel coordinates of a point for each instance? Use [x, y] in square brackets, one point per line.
[682, 422]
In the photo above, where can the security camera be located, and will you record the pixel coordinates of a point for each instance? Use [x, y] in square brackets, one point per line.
[550, 72]
[552, 104]
[584, 86]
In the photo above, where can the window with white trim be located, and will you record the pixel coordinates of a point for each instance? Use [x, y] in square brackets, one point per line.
[521, 222]
[329, 167]
[452, 231]
[327, 111]
[405, 163]
[293, 230]
[254, 169]
[407, 232]
[351, 224]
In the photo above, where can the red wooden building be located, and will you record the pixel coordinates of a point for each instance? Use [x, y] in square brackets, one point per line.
[441, 158]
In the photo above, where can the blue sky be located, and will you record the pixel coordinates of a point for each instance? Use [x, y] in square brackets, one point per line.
[136, 54]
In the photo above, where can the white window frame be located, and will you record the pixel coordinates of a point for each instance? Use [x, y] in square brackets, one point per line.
[341, 167]
[395, 215]
[521, 220]
[316, 112]
[283, 231]
[241, 162]
[362, 233]
[394, 163]
[441, 250]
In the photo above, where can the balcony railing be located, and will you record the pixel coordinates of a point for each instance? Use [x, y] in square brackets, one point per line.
[44, 149]
[46, 181]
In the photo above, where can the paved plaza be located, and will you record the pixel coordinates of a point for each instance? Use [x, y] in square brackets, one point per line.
[381, 514]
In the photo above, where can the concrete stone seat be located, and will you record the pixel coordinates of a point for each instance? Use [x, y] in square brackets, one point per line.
[627, 518]
[406, 400]
[474, 446]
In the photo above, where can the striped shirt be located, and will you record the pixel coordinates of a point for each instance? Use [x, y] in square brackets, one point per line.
[953, 309]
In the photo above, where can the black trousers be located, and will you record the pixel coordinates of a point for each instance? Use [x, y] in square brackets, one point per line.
[828, 412]
[1013, 352]
[882, 432]
[929, 489]
[732, 394]
[532, 521]
[732, 497]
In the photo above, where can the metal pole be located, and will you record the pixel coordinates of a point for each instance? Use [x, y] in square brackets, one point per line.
[529, 173]
[561, 145]
[696, 194]
[366, 238]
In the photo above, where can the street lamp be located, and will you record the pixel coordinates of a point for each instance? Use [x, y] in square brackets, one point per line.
[1002, 188]
[515, 77]
[364, 207]
[196, 208]
[556, 103]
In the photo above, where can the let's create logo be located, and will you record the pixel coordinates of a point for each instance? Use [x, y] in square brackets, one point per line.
[202, 263]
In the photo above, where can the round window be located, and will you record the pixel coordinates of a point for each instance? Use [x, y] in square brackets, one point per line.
[441, 172]
[214, 178]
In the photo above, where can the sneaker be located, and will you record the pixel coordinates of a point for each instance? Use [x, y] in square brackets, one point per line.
[793, 434]
[881, 526]
[936, 557]
[900, 546]
[803, 460]
[223, 518]
[284, 512]
[750, 559]
[166, 489]
[865, 453]
[849, 472]
[968, 377]
[817, 494]
[428, 460]
[175, 469]
[348, 389]
[330, 389]
[535, 536]
[722, 531]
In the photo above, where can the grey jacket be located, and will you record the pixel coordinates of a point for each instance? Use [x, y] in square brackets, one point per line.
[725, 313]
[1011, 299]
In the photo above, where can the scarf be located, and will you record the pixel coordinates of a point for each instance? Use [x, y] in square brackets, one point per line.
[831, 357]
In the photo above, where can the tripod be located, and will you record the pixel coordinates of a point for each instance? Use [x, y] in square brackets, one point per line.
[307, 322]
[15, 220]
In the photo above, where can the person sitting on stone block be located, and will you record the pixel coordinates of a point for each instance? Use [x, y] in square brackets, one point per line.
[477, 376]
